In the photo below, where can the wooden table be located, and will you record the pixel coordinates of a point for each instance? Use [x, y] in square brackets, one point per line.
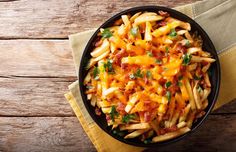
[36, 67]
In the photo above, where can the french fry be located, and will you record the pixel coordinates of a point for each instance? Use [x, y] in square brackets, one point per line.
[200, 59]
[98, 51]
[125, 19]
[190, 118]
[204, 104]
[131, 102]
[197, 96]
[171, 135]
[206, 92]
[192, 67]
[89, 96]
[147, 18]
[184, 91]
[181, 124]
[206, 67]
[190, 92]
[185, 113]
[87, 79]
[148, 35]
[174, 118]
[134, 16]
[110, 91]
[102, 56]
[135, 126]
[93, 100]
[136, 133]
[106, 110]
[193, 50]
[207, 80]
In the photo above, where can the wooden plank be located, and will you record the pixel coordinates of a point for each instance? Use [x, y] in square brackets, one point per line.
[34, 97]
[52, 58]
[58, 19]
[65, 134]
[44, 97]
[48, 134]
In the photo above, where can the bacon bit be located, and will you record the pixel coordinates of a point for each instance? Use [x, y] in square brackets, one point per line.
[119, 56]
[162, 81]
[108, 117]
[124, 66]
[98, 43]
[204, 63]
[202, 113]
[158, 55]
[172, 128]
[98, 111]
[182, 68]
[147, 116]
[165, 117]
[145, 80]
[161, 132]
[147, 101]
[181, 48]
[161, 23]
[120, 106]
[164, 14]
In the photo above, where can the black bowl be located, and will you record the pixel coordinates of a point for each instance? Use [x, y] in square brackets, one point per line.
[207, 46]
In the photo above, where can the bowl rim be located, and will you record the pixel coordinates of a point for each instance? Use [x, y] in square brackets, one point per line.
[134, 10]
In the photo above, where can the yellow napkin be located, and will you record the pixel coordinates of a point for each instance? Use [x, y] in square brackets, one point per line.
[217, 17]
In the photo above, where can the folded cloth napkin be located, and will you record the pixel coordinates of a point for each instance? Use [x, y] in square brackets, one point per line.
[217, 17]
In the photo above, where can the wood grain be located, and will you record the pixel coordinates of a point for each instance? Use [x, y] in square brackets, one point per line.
[58, 19]
[65, 134]
[34, 134]
[34, 97]
[51, 58]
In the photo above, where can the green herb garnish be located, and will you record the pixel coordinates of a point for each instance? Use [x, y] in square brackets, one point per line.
[134, 31]
[149, 53]
[173, 33]
[128, 117]
[168, 84]
[108, 66]
[148, 74]
[138, 74]
[106, 33]
[158, 61]
[147, 141]
[96, 73]
[187, 43]
[168, 95]
[186, 59]
[113, 113]
[180, 77]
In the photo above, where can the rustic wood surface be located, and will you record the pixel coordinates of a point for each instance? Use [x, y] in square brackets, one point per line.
[36, 67]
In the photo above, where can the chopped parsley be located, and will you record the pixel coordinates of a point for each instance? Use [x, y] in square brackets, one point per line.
[173, 33]
[186, 59]
[187, 43]
[106, 33]
[108, 66]
[148, 74]
[168, 95]
[134, 31]
[149, 53]
[136, 74]
[113, 113]
[158, 61]
[167, 49]
[168, 84]
[128, 117]
[96, 73]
